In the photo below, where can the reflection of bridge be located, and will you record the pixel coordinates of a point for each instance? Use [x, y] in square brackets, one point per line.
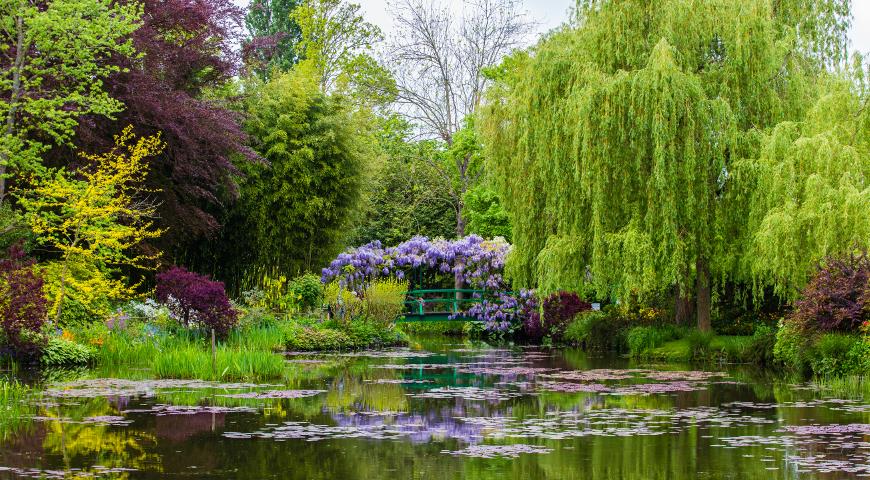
[441, 304]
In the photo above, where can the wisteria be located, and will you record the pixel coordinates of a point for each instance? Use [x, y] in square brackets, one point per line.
[477, 262]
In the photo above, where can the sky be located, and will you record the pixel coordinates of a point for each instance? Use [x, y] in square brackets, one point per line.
[550, 13]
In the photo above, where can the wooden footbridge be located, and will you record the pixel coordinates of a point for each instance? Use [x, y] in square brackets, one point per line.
[441, 304]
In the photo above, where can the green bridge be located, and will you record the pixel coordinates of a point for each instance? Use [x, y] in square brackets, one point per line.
[440, 304]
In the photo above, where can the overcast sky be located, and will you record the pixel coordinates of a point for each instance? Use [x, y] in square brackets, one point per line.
[551, 13]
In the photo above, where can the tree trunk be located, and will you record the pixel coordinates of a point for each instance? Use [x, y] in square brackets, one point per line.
[14, 98]
[704, 300]
[683, 307]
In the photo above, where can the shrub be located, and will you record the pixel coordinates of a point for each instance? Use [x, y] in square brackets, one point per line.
[310, 338]
[836, 299]
[597, 331]
[307, 290]
[385, 300]
[343, 304]
[196, 300]
[60, 352]
[831, 354]
[533, 329]
[760, 349]
[23, 306]
[559, 309]
[699, 343]
[791, 346]
[642, 339]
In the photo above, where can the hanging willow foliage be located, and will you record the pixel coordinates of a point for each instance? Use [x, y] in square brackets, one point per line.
[617, 143]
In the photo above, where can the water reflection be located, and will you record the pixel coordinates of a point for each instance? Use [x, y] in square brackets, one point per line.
[441, 410]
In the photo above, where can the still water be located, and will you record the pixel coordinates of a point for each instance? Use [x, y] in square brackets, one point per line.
[441, 410]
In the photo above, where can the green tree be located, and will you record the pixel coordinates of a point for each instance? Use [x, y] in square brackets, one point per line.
[612, 144]
[274, 35]
[55, 56]
[339, 42]
[404, 197]
[294, 209]
[485, 214]
[95, 218]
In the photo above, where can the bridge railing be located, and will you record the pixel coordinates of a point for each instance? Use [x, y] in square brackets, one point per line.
[418, 301]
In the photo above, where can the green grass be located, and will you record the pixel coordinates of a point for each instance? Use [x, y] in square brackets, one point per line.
[268, 339]
[850, 386]
[728, 348]
[193, 361]
[450, 329]
[12, 407]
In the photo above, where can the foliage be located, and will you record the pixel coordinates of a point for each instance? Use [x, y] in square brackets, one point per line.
[273, 36]
[55, 57]
[342, 303]
[60, 352]
[338, 42]
[478, 263]
[760, 349]
[559, 309]
[803, 196]
[193, 361]
[699, 343]
[597, 332]
[629, 142]
[837, 298]
[792, 347]
[196, 300]
[354, 335]
[294, 210]
[484, 214]
[831, 354]
[95, 218]
[23, 305]
[385, 300]
[641, 340]
[307, 290]
[187, 51]
[404, 197]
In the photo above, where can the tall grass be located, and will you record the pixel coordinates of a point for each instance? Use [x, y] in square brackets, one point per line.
[267, 339]
[12, 407]
[850, 386]
[231, 364]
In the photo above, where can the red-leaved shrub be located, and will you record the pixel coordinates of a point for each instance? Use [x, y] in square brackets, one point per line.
[23, 305]
[559, 309]
[196, 300]
[836, 299]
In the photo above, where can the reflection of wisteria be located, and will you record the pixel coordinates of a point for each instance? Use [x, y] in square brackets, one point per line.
[469, 393]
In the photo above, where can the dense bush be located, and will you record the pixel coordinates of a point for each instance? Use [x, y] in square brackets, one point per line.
[385, 300]
[760, 349]
[22, 305]
[343, 304]
[791, 347]
[307, 291]
[836, 354]
[597, 331]
[699, 344]
[61, 352]
[836, 299]
[558, 311]
[642, 339]
[196, 300]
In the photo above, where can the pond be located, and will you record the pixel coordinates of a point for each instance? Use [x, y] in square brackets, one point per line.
[441, 409]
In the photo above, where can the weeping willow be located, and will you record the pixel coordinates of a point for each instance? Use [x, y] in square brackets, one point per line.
[670, 145]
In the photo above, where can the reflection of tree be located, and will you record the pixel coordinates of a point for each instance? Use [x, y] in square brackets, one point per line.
[90, 444]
